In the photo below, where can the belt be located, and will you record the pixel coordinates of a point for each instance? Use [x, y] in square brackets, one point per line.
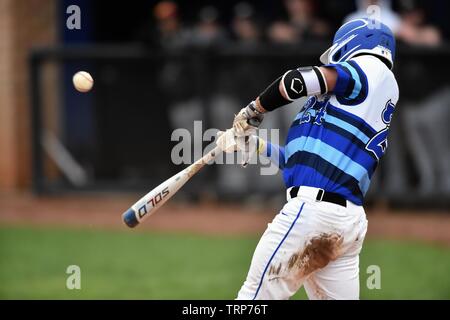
[322, 195]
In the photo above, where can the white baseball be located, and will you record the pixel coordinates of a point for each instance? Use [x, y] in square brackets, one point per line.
[83, 81]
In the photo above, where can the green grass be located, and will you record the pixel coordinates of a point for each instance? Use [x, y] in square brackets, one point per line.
[138, 265]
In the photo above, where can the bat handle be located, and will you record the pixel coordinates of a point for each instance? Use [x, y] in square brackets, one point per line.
[211, 155]
[200, 163]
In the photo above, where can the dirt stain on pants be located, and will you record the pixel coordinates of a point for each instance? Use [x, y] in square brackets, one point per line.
[318, 252]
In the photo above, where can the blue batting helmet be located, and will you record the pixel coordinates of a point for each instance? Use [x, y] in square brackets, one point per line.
[361, 36]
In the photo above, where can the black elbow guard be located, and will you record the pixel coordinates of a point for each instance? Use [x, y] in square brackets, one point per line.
[294, 84]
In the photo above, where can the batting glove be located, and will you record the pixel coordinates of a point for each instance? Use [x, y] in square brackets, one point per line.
[229, 142]
[247, 120]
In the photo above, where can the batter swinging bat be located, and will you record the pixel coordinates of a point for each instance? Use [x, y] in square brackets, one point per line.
[154, 200]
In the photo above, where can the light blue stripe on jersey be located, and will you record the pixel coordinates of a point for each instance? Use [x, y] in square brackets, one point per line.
[348, 127]
[349, 146]
[333, 156]
[355, 76]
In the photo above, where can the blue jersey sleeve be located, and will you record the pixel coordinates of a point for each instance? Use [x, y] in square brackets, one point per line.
[276, 154]
[351, 85]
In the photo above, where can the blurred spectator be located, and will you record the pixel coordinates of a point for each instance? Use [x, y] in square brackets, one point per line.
[208, 30]
[414, 29]
[409, 27]
[244, 25]
[303, 24]
[169, 30]
[385, 13]
[427, 129]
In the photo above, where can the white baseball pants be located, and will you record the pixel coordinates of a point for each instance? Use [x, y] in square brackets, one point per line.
[310, 243]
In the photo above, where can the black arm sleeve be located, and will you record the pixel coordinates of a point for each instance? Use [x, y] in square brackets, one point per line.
[271, 97]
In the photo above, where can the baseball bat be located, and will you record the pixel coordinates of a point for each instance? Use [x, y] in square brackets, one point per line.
[156, 198]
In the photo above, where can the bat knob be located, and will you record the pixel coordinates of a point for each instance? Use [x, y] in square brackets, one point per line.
[129, 217]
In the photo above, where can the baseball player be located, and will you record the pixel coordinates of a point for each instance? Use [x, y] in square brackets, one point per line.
[332, 149]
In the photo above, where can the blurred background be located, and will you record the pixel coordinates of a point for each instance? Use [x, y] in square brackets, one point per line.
[72, 162]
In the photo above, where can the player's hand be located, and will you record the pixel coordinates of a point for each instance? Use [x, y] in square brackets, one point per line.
[248, 146]
[247, 120]
[226, 141]
[229, 142]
